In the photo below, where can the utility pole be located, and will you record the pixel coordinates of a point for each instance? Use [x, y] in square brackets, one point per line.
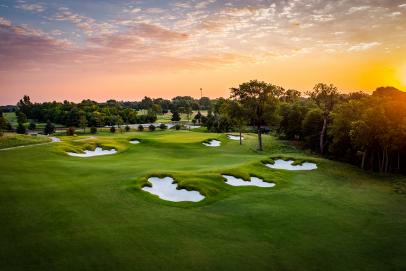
[201, 93]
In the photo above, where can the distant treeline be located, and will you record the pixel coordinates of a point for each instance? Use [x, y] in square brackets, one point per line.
[366, 130]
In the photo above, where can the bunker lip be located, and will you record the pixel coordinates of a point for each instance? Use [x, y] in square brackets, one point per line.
[212, 143]
[167, 189]
[135, 141]
[288, 165]
[97, 152]
[254, 181]
[235, 137]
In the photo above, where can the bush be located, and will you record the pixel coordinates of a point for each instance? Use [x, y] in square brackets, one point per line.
[93, 130]
[177, 127]
[163, 126]
[32, 126]
[175, 116]
[70, 131]
[20, 128]
[151, 128]
[112, 129]
[140, 128]
[49, 128]
[127, 128]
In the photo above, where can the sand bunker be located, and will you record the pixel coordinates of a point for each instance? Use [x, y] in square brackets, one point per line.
[212, 143]
[235, 137]
[55, 139]
[254, 181]
[165, 188]
[135, 141]
[287, 165]
[97, 152]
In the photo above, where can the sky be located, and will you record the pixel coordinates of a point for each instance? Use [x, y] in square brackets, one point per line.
[125, 50]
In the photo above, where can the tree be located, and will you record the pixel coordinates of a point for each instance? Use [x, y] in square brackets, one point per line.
[255, 96]
[140, 128]
[49, 128]
[93, 130]
[3, 123]
[127, 128]
[20, 128]
[21, 117]
[25, 106]
[151, 128]
[70, 131]
[326, 97]
[32, 126]
[312, 124]
[175, 116]
[112, 129]
[163, 126]
[83, 122]
[237, 115]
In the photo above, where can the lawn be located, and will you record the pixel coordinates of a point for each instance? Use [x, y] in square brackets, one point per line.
[65, 213]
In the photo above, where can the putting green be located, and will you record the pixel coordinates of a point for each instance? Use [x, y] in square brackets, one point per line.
[59, 212]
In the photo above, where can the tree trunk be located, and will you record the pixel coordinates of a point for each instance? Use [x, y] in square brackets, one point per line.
[240, 137]
[364, 155]
[322, 134]
[259, 137]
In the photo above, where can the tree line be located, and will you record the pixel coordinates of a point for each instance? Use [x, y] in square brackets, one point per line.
[368, 130]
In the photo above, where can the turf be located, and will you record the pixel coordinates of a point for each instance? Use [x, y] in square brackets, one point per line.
[65, 213]
[9, 140]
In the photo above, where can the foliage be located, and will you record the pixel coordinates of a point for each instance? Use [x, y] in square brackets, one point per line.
[140, 128]
[162, 126]
[93, 130]
[112, 129]
[32, 126]
[175, 116]
[151, 128]
[20, 128]
[49, 128]
[127, 128]
[70, 131]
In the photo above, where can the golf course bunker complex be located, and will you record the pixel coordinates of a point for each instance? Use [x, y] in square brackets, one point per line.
[166, 189]
[97, 152]
[135, 141]
[212, 143]
[254, 181]
[235, 137]
[288, 165]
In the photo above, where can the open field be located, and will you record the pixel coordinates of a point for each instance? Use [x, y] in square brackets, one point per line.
[66, 213]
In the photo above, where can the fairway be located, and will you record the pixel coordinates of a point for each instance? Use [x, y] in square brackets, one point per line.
[60, 212]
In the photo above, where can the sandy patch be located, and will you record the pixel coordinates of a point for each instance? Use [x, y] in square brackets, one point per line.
[254, 181]
[97, 152]
[212, 143]
[287, 165]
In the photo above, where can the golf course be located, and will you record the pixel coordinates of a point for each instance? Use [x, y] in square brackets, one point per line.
[60, 212]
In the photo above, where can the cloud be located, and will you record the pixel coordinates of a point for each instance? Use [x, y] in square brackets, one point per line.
[363, 46]
[33, 7]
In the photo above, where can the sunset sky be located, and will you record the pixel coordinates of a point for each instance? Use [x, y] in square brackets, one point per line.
[125, 50]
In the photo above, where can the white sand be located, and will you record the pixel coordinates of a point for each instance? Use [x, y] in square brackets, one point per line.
[55, 139]
[97, 152]
[165, 189]
[254, 181]
[192, 126]
[235, 137]
[135, 141]
[212, 143]
[287, 165]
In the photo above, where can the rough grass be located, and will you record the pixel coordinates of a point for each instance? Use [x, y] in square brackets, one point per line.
[9, 140]
[59, 212]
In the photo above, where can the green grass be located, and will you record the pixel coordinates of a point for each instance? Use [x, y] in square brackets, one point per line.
[65, 213]
[9, 140]
[11, 118]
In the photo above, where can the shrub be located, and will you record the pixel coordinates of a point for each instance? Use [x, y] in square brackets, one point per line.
[93, 130]
[140, 128]
[175, 116]
[20, 128]
[70, 131]
[177, 127]
[49, 128]
[151, 128]
[32, 126]
[127, 128]
[112, 129]
[162, 126]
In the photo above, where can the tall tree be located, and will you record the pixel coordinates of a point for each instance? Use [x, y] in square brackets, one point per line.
[255, 96]
[326, 97]
[238, 116]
